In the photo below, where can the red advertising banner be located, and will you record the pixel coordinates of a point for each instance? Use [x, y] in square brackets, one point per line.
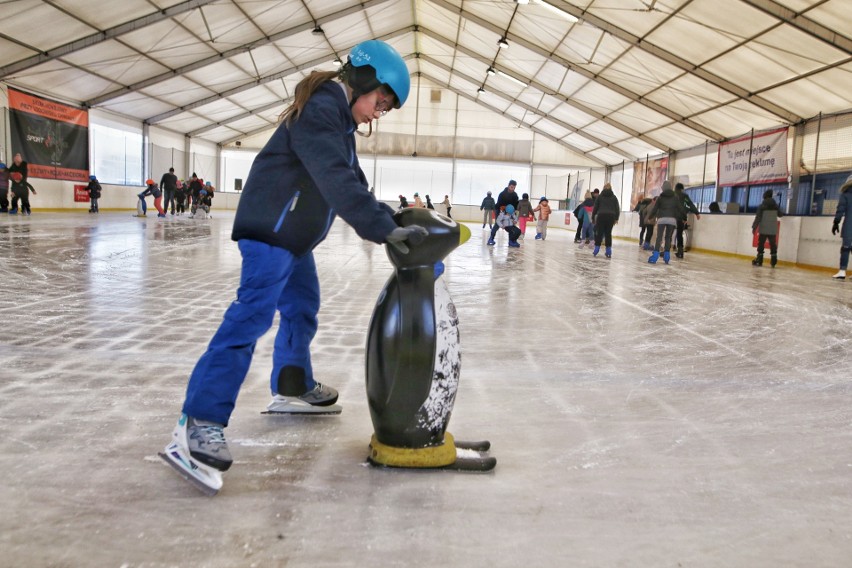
[80, 194]
[52, 137]
[49, 109]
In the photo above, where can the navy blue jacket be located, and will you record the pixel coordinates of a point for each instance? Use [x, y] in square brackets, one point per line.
[307, 173]
[844, 211]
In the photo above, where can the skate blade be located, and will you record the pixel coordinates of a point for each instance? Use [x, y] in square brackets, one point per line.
[205, 479]
[480, 446]
[301, 408]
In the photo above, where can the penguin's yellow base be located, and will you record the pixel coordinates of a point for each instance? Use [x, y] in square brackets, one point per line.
[433, 456]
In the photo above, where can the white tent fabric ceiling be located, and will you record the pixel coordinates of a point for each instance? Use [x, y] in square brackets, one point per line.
[609, 79]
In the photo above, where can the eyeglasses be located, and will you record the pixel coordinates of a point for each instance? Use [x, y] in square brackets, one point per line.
[383, 106]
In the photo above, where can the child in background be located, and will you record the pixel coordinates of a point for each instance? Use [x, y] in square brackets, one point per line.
[152, 189]
[94, 190]
[488, 208]
[417, 201]
[21, 189]
[543, 211]
[584, 216]
[766, 225]
[524, 213]
[507, 220]
[180, 197]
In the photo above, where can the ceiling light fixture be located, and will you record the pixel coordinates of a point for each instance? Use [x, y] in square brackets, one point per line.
[337, 63]
[318, 30]
[522, 1]
[514, 80]
[558, 11]
[503, 43]
[480, 90]
[490, 71]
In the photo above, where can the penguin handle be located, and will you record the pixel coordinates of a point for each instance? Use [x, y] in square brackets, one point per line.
[416, 238]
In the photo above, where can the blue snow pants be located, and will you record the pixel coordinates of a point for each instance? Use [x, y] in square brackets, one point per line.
[272, 278]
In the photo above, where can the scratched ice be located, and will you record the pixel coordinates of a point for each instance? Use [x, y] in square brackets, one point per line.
[696, 414]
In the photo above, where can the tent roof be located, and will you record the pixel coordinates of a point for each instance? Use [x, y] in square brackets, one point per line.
[611, 79]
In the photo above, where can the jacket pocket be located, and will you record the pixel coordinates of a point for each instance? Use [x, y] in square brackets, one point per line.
[287, 208]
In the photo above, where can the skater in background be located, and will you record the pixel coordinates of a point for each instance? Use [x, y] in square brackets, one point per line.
[283, 214]
[20, 166]
[650, 223]
[585, 216]
[507, 220]
[429, 203]
[714, 208]
[488, 210]
[447, 205]
[506, 197]
[766, 225]
[682, 224]
[667, 209]
[180, 197]
[543, 211]
[403, 202]
[154, 190]
[168, 183]
[605, 215]
[646, 229]
[524, 213]
[20, 191]
[201, 209]
[844, 209]
[418, 202]
[4, 188]
[195, 187]
[94, 191]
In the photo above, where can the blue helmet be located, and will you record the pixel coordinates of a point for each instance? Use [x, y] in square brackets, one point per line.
[93, 177]
[510, 209]
[389, 68]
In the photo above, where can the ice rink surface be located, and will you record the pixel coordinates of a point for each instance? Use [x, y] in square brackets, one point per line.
[691, 415]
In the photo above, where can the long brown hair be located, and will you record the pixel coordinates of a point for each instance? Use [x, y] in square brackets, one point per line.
[304, 90]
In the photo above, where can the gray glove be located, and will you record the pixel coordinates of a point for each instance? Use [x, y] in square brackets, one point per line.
[414, 234]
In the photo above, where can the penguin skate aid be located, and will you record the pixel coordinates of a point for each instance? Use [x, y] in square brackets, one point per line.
[283, 214]
[413, 356]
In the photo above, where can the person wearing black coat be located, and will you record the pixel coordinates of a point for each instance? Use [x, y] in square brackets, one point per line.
[506, 197]
[605, 215]
[766, 225]
[667, 210]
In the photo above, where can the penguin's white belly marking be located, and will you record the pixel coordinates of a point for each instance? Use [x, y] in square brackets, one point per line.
[434, 413]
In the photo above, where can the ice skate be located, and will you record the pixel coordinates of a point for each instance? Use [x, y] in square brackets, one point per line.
[491, 242]
[608, 252]
[773, 260]
[320, 400]
[667, 257]
[199, 453]
[841, 275]
[596, 250]
[655, 256]
[514, 244]
[758, 260]
[538, 236]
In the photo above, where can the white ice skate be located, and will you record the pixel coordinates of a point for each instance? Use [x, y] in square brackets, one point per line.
[207, 479]
[320, 400]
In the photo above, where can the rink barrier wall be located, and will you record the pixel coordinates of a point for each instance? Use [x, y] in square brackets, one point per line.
[805, 242]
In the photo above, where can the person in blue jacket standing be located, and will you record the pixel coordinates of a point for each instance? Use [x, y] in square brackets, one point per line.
[306, 174]
[844, 209]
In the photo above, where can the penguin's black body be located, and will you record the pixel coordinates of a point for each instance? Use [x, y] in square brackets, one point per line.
[413, 361]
